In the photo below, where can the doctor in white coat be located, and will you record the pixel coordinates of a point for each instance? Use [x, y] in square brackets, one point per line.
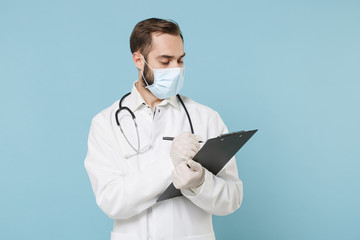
[130, 165]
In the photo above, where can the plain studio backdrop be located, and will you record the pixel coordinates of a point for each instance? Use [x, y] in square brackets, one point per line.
[289, 68]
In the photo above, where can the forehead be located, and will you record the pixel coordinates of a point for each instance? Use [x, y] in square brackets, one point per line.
[166, 44]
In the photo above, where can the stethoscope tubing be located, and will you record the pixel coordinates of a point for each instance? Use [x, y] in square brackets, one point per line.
[134, 119]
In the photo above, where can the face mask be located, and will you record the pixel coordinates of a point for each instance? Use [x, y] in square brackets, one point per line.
[167, 81]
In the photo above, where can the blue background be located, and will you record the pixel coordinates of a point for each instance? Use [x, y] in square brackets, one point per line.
[289, 68]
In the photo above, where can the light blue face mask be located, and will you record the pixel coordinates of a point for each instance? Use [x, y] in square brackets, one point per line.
[167, 81]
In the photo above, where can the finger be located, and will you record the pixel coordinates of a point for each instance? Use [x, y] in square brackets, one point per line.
[179, 180]
[174, 174]
[181, 168]
[185, 134]
[194, 146]
[197, 167]
[175, 179]
[198, 137]
[181, 136]
[186, 144]
[194, 140]
[190, 154]
[176, 184]
[194, 166]
[189, 139]
[196, 143]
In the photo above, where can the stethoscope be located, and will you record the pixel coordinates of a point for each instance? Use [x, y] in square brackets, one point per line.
[134, 120]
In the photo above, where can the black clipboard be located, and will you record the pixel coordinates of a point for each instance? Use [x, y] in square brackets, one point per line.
[214, 155]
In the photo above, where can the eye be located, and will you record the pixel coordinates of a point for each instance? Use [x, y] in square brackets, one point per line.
[165, 63]
[181, 61]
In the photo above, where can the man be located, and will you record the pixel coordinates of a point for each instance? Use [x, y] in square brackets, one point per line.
[129, 163]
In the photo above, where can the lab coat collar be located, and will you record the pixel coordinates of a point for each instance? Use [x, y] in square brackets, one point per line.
[136, 100]
[172, 100]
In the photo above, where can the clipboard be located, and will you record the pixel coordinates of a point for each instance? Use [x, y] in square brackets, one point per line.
[214, 155]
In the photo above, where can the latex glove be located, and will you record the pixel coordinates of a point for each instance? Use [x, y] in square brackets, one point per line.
[184, 147]
[188, 174]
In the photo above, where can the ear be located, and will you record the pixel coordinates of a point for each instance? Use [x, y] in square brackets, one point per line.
[138, 61]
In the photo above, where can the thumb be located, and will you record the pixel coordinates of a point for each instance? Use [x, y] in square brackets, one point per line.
[194, 166]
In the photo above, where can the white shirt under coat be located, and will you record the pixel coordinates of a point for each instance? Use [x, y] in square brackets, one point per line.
[126, 185]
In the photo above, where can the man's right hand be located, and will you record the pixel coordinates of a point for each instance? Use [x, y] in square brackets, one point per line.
[184, 147]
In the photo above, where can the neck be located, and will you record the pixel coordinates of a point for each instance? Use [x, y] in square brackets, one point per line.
[149, 98]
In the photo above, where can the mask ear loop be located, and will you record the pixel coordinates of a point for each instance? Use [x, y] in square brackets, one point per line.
[143, 70]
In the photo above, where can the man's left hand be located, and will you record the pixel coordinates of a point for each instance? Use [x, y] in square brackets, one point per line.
[188, 174]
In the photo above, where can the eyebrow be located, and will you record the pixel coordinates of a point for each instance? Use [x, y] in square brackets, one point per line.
[169, 57]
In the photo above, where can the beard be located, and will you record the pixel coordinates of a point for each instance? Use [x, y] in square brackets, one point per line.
[148, 75]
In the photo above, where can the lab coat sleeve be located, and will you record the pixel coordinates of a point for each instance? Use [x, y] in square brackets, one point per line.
[118, 194]
[221, 194]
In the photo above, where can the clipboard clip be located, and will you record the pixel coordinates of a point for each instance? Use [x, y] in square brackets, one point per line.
[232, 133]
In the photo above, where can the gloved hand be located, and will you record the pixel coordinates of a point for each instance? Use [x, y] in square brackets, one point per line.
[184, 147]
[188, 174]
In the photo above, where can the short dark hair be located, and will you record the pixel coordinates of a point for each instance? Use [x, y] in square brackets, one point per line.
[141, 39]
